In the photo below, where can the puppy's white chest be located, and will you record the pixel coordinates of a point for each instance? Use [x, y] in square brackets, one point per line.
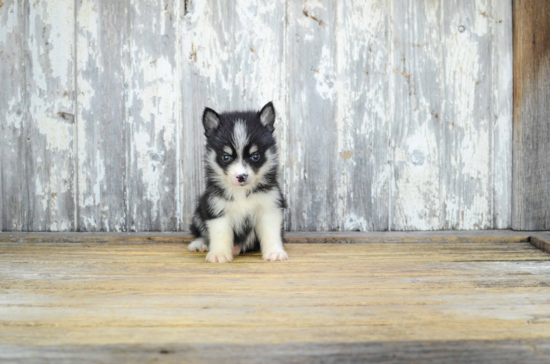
[242, 206]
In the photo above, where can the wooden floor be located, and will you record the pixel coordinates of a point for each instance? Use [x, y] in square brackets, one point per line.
[136, 301]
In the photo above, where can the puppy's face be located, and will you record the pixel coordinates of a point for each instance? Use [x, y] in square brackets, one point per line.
[241, 148]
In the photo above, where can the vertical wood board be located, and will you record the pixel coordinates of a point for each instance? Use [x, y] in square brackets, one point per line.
[50, 85]
[102, 54]
[312, 144]
[531, 182]
[466, 115]
[14, 195]
[416, 84]
[363, 51]
[502, 61]
[152, 84]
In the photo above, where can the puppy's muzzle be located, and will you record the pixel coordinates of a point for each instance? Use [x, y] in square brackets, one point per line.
[242, 177]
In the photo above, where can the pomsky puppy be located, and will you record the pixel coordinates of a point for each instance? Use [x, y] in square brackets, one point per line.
[242, 207]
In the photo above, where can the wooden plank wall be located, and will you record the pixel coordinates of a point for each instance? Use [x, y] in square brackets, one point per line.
[531, 199]
[392, 115]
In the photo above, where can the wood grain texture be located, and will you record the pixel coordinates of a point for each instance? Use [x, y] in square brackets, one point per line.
[38, 116]
[531, 203]
[541, 241]
[503, 89]
[102, 63]
[14, 194]
[128, 169]
[108, 298]
[313, 158]
[392, 237]
[390, 115]
[153, 120]
[466, 115]
[401, 352]
[50, 84]
[363, 51]
[415, 135]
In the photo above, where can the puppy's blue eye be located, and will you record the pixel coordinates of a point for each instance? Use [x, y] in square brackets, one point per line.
[255, 157]
[227, 158]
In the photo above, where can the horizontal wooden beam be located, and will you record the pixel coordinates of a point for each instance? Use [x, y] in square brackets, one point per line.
[539, 239]
[291, 237]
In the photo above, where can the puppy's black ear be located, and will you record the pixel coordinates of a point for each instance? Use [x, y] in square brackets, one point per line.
[267, 116]
[210, 120]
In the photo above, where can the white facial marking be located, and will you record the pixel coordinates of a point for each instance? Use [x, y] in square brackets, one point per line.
[253, 148]
[240, 137]
[227, 150]
[239, 168]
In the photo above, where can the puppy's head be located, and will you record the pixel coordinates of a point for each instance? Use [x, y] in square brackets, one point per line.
[240, 149]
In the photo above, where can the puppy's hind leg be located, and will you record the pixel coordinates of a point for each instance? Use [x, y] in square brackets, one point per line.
[197, 245]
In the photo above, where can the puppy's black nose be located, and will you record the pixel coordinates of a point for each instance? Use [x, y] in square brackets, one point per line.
[242, 177]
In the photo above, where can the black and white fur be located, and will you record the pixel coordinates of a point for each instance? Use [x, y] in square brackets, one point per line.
[242, 207]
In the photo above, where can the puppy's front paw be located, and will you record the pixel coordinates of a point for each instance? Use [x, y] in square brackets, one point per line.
[198, 245]
[219, 256]
[274, 255]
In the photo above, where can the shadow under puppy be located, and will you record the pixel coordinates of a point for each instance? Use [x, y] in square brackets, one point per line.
[242, 207]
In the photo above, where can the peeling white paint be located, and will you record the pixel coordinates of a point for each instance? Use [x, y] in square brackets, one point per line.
[49, 76]
[150, 170]
[324, 74]
[51, 64]
[61, 14]
[355, 116]
[15, 116]
[470, 207]
[86, 53]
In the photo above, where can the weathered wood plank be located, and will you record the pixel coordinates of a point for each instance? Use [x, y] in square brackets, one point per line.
[293, 239]
[477, 236]
[541, 241]
[262, 316]
[152, 86]
[531, 180]
[466, 115]
[362, 53]
[503, 89]
[14, 194]
[102, 142]
[534, 351]
[312, 154]
[366, 300]
[233, 59]
[415, 131]
[50, 83]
